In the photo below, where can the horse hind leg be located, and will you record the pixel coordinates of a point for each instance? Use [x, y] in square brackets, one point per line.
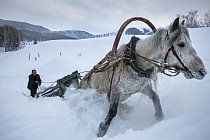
[114, 101]
[156, 101]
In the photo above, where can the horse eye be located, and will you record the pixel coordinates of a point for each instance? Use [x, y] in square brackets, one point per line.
[181, 44]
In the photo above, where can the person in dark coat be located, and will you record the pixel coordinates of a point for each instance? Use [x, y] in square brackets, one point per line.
[33, 82]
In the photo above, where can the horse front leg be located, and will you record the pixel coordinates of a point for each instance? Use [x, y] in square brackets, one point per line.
[156, 101]
[114, 101]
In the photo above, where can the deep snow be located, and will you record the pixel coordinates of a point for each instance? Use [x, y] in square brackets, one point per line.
[185, 102]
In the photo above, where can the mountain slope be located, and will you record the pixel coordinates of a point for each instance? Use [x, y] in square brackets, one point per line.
[24, 26]
[138, 31]
[75, 34]
[30, 32]
[32, 35]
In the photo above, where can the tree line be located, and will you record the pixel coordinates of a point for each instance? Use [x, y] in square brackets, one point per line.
[10, 38]
[192, 19]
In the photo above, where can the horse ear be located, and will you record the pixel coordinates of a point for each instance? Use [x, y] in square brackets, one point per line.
[182, 23]
[175, 25]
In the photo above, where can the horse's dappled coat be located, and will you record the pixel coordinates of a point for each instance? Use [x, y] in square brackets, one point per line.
[120, 79]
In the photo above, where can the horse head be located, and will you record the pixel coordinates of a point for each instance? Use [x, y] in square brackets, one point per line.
[181, 53]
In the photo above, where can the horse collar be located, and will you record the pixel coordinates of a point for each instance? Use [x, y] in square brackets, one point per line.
[131, 56]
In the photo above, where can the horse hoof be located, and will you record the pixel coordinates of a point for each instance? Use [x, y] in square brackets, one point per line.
[102, 129]
[159, 116]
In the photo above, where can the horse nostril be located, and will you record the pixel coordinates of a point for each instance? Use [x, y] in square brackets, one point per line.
[202, 72]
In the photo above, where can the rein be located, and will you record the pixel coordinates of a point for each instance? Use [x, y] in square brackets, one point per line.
[178, 69]
[49, 82]
[162, 66]
[112, 57]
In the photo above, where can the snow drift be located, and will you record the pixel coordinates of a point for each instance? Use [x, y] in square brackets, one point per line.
[185, 102]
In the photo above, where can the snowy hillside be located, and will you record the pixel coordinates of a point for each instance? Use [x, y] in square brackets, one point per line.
[75, 34]
[138, 31]
[24, 26]
[185, 102]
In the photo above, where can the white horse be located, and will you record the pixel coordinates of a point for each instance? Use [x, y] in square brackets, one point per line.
[171, 46]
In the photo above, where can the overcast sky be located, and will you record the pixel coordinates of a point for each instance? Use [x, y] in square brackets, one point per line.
[96, 16]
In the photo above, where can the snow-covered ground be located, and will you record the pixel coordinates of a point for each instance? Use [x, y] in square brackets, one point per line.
[185, 102]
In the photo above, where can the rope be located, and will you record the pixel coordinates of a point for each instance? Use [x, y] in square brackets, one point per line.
[49, 82]
[162, 66]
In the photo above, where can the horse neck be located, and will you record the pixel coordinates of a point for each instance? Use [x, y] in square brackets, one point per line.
[152, 48]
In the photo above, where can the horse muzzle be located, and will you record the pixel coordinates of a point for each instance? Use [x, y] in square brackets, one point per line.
[200, 74]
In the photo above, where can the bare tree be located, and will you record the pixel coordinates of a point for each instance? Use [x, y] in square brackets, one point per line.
[9, 38]
[207, 18]
[1, 36]
[191, 19]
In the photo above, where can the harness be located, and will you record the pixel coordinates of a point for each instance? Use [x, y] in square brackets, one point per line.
[111, 56]
[162, 66]
[112, 59]
[130, 55]
[130, 59]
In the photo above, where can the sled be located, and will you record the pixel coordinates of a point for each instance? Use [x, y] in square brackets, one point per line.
[59, 88]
